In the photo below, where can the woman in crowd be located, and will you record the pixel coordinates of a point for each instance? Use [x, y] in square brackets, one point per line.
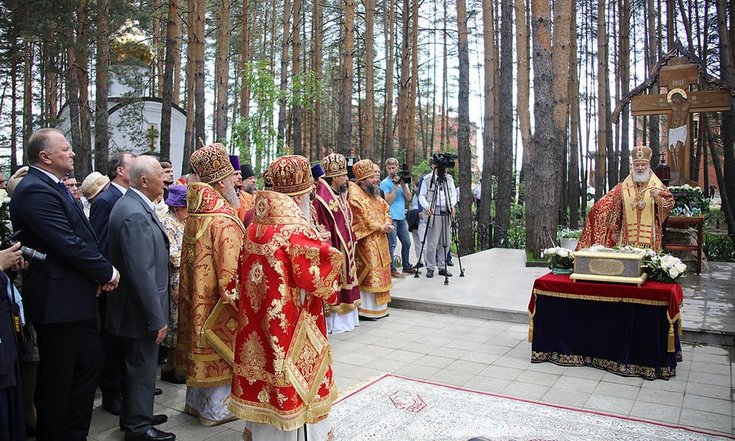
[174, 222]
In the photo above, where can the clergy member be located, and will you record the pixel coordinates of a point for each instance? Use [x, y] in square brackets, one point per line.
[208, 288]
[371, 223]
[282, 383]
[633, 212]
[333, 214]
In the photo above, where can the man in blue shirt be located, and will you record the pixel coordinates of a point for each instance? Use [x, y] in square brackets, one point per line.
[397, 195]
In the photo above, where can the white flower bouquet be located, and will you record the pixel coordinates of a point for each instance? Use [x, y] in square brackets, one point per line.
[559, 258]
[664, 267]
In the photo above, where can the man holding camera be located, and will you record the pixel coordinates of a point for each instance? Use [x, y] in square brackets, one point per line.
[397, 195]
[439, 195]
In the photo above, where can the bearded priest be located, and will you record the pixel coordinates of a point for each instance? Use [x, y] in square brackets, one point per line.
[633, 212]
[282, 379]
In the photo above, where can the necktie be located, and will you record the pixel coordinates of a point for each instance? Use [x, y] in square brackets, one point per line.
[65, 191]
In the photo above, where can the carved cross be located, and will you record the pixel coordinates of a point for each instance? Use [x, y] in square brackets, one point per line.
[679, 103]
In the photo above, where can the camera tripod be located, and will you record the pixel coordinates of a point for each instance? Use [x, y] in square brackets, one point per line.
[438, 185]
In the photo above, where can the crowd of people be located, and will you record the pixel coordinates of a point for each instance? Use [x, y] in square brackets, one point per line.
[233, 290]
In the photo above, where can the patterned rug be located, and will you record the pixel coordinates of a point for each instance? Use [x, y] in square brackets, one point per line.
[397, 408]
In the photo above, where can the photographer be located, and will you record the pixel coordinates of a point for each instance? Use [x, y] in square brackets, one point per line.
[439, 195]
[397, 195]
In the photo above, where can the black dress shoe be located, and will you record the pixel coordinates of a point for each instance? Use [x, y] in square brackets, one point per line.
[157, 391]
[429, 273]
[155, 420]
[445, 273]
[151, 434]
[171, 377]
[112, 405]
[450, 263]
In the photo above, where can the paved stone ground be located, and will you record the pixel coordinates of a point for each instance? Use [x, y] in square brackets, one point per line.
[491, 356]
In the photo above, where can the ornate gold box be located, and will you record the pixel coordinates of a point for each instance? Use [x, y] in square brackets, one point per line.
[609, 266]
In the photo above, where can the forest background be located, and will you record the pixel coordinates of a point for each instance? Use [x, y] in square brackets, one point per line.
[385, 78]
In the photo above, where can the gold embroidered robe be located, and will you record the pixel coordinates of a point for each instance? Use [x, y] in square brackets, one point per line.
[246, 203]
[208, 288]
[283, 363]
[372, 253]
[629, 215]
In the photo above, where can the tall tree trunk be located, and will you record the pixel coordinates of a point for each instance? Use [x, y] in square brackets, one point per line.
[484, 214]
[297, 112]
[82, 71]
[389, 19]
[197, 22]
[27, 91]
[222, 70]
[14, 65]
[504, 148]
[316, 66]
[244, 61]
[522, 42]
[444, 132]
[369, 111]
[466, 245]
[573, 170]
[653, 49]
[101, 129]
[624, 87]
[411, 113]
[724, 195]
[560, 91]
[542, 171]
[405, 78]
[168, 79]
[727, 73]
[344, 137]
[602, 134]
[72, 88]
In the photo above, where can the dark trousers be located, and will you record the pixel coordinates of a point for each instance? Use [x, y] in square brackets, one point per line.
[112, 369]
[141, 363]
[68, 373]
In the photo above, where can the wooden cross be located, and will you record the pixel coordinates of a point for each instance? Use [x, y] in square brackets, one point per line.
[679, 103]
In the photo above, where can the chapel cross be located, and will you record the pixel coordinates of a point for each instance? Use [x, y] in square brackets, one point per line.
[679, 103]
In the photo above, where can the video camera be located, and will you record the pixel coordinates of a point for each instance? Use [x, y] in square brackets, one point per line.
[403, 175]
[29, 254]
[443, 161]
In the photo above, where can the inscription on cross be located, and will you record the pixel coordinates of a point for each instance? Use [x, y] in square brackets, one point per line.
[679, 103]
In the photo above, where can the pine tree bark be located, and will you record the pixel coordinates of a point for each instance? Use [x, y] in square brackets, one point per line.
[504, 147]
[542, 171]
[624, 87]
[316, 66]
[244, 61]
[168, 79]
[344, 136]
[411, 111]
[101, 129]
[560, 90]
[297, 111]
[484, 214]
[404, 82]
[652, 57]
[369, 111]
[197, 19]
[602, 134]
[466, 245]
[573, 173]
[727, 73]
[524, 73]
[389, 19]
[222, 70]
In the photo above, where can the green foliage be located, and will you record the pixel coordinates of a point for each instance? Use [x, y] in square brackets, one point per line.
[258, 131]
[690, 201]
[307, 90]
[719, 248]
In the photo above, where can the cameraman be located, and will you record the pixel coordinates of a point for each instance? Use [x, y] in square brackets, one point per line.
[397, 195]
[439, 195]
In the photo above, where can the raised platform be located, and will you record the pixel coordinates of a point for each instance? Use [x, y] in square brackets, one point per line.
[497, 286]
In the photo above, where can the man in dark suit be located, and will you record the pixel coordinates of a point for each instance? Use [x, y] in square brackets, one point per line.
[60, 294]
[138, 311]
[118, 168]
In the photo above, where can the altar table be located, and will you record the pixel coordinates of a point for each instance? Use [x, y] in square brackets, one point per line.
[624, 329]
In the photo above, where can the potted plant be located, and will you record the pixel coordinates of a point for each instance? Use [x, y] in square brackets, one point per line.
[561, 260]
[690, 201]
[569, 238]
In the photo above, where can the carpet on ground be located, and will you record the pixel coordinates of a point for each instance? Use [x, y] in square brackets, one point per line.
[395, 408]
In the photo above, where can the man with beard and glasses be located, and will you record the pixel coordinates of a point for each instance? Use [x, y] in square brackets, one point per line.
[208, 288]
[333, 214]
[633, 212]
[282, 383]
[371, 223]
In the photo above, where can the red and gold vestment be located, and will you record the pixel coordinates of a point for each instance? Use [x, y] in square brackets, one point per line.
[333, 214]
[631, 214]
[208, 289]
[246, 203]
[282, 374]
[372, 252]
